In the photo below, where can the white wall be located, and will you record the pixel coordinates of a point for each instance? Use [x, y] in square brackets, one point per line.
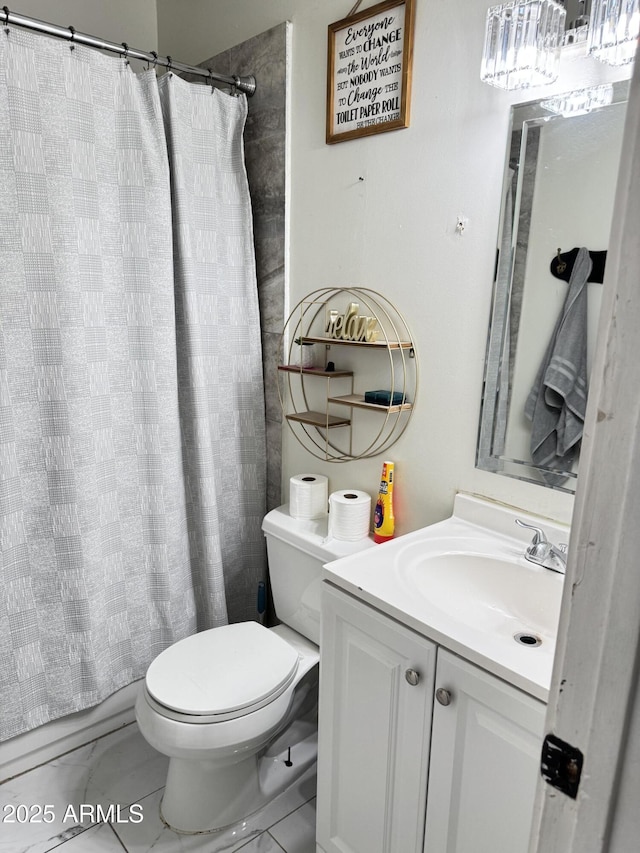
[133, 21]
[394, 231]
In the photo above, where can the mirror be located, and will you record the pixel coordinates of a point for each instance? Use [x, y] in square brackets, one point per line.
[559, 186]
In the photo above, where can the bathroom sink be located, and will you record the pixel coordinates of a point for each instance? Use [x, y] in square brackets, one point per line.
[485, 592]
[465, 584]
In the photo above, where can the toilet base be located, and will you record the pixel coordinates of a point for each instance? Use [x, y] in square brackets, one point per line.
[201, 797]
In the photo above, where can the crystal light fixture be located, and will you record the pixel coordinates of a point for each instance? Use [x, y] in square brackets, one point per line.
[580, 102]
[613, 30]
[522, 43]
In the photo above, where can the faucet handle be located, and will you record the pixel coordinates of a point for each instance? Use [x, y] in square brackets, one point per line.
[539, 537]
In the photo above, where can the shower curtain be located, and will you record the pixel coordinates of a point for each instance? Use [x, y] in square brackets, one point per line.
[131, 404]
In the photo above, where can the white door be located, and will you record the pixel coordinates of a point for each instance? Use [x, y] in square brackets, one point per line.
[376, 691]
[594, 704]
[485, 758]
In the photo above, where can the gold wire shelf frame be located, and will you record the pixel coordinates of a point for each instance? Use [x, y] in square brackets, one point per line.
[312, 428]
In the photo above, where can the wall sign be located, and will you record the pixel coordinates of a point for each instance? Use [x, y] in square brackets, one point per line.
[369, 71]
[350, 326]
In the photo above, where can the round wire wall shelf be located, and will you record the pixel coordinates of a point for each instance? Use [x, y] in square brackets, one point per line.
[342, 427]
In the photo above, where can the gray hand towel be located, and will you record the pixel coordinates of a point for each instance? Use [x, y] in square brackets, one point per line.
[557, 402]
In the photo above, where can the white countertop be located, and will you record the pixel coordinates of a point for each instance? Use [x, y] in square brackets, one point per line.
[379, 577]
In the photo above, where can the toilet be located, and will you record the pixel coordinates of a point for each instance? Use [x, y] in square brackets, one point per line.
[235, 707]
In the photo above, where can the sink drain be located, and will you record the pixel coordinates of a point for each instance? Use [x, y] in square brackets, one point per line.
[527, 639]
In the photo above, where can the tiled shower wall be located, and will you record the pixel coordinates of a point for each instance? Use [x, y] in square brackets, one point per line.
[266, 57]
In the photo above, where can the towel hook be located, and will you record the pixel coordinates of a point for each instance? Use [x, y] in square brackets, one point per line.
[562, 265]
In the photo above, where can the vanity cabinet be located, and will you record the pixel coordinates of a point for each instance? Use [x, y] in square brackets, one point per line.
[485, 758]
[419, 750]
[376, 689]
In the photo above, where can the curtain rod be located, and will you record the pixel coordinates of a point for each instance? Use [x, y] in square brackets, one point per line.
[240, 84]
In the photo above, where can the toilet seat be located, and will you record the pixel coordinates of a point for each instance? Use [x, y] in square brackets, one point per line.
[221, 674]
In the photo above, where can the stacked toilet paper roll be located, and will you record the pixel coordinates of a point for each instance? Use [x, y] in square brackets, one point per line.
[308, 495]
[349, 515]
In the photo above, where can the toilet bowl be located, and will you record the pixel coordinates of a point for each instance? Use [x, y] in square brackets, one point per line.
[234, 707]
[212, 728]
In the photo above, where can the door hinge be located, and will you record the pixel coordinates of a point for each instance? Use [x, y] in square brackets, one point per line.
[561, 765]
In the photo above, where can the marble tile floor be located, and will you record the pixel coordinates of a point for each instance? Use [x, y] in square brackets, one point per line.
[121, 770]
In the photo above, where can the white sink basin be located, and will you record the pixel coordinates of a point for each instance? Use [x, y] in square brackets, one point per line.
[485, 592]
[465, 584]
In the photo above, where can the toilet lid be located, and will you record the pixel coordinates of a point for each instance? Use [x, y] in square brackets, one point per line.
[222, 670]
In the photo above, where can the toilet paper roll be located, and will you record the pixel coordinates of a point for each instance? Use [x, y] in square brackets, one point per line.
[349, 515]
[308, 495]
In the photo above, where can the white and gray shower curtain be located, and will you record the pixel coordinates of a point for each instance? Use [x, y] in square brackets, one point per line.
[131, 404]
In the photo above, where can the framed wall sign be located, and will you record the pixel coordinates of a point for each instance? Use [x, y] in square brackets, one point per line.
[369, 71]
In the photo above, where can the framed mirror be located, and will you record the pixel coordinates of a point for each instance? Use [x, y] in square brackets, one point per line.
[559, 185]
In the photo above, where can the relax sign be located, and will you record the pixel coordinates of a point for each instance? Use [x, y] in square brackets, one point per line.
[350, 326]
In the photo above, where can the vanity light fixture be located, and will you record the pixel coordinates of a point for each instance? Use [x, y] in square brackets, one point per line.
[522, 43]
[580, 102]
[613, 31]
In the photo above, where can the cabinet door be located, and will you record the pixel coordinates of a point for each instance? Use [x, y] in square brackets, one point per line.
[373, 730]
[485, 759]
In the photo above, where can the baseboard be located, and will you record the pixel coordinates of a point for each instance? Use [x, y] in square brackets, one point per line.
[45, 743]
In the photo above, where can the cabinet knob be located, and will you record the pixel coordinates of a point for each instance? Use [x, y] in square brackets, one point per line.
[412, 677]
[443, 696]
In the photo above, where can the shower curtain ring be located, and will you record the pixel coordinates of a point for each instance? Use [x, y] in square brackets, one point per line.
[155, 60]
[5, 9]
[169, 62]
[126, 52]
[72, 30]
[211, 79]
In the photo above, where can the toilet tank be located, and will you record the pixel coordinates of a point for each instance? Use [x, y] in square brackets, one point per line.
[297, 549]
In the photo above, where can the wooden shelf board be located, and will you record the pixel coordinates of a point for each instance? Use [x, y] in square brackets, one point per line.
[357, 401]
[374, 344]
[313, 371]
[318, 419]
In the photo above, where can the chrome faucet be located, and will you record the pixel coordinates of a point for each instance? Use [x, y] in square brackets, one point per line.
[544, 553]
